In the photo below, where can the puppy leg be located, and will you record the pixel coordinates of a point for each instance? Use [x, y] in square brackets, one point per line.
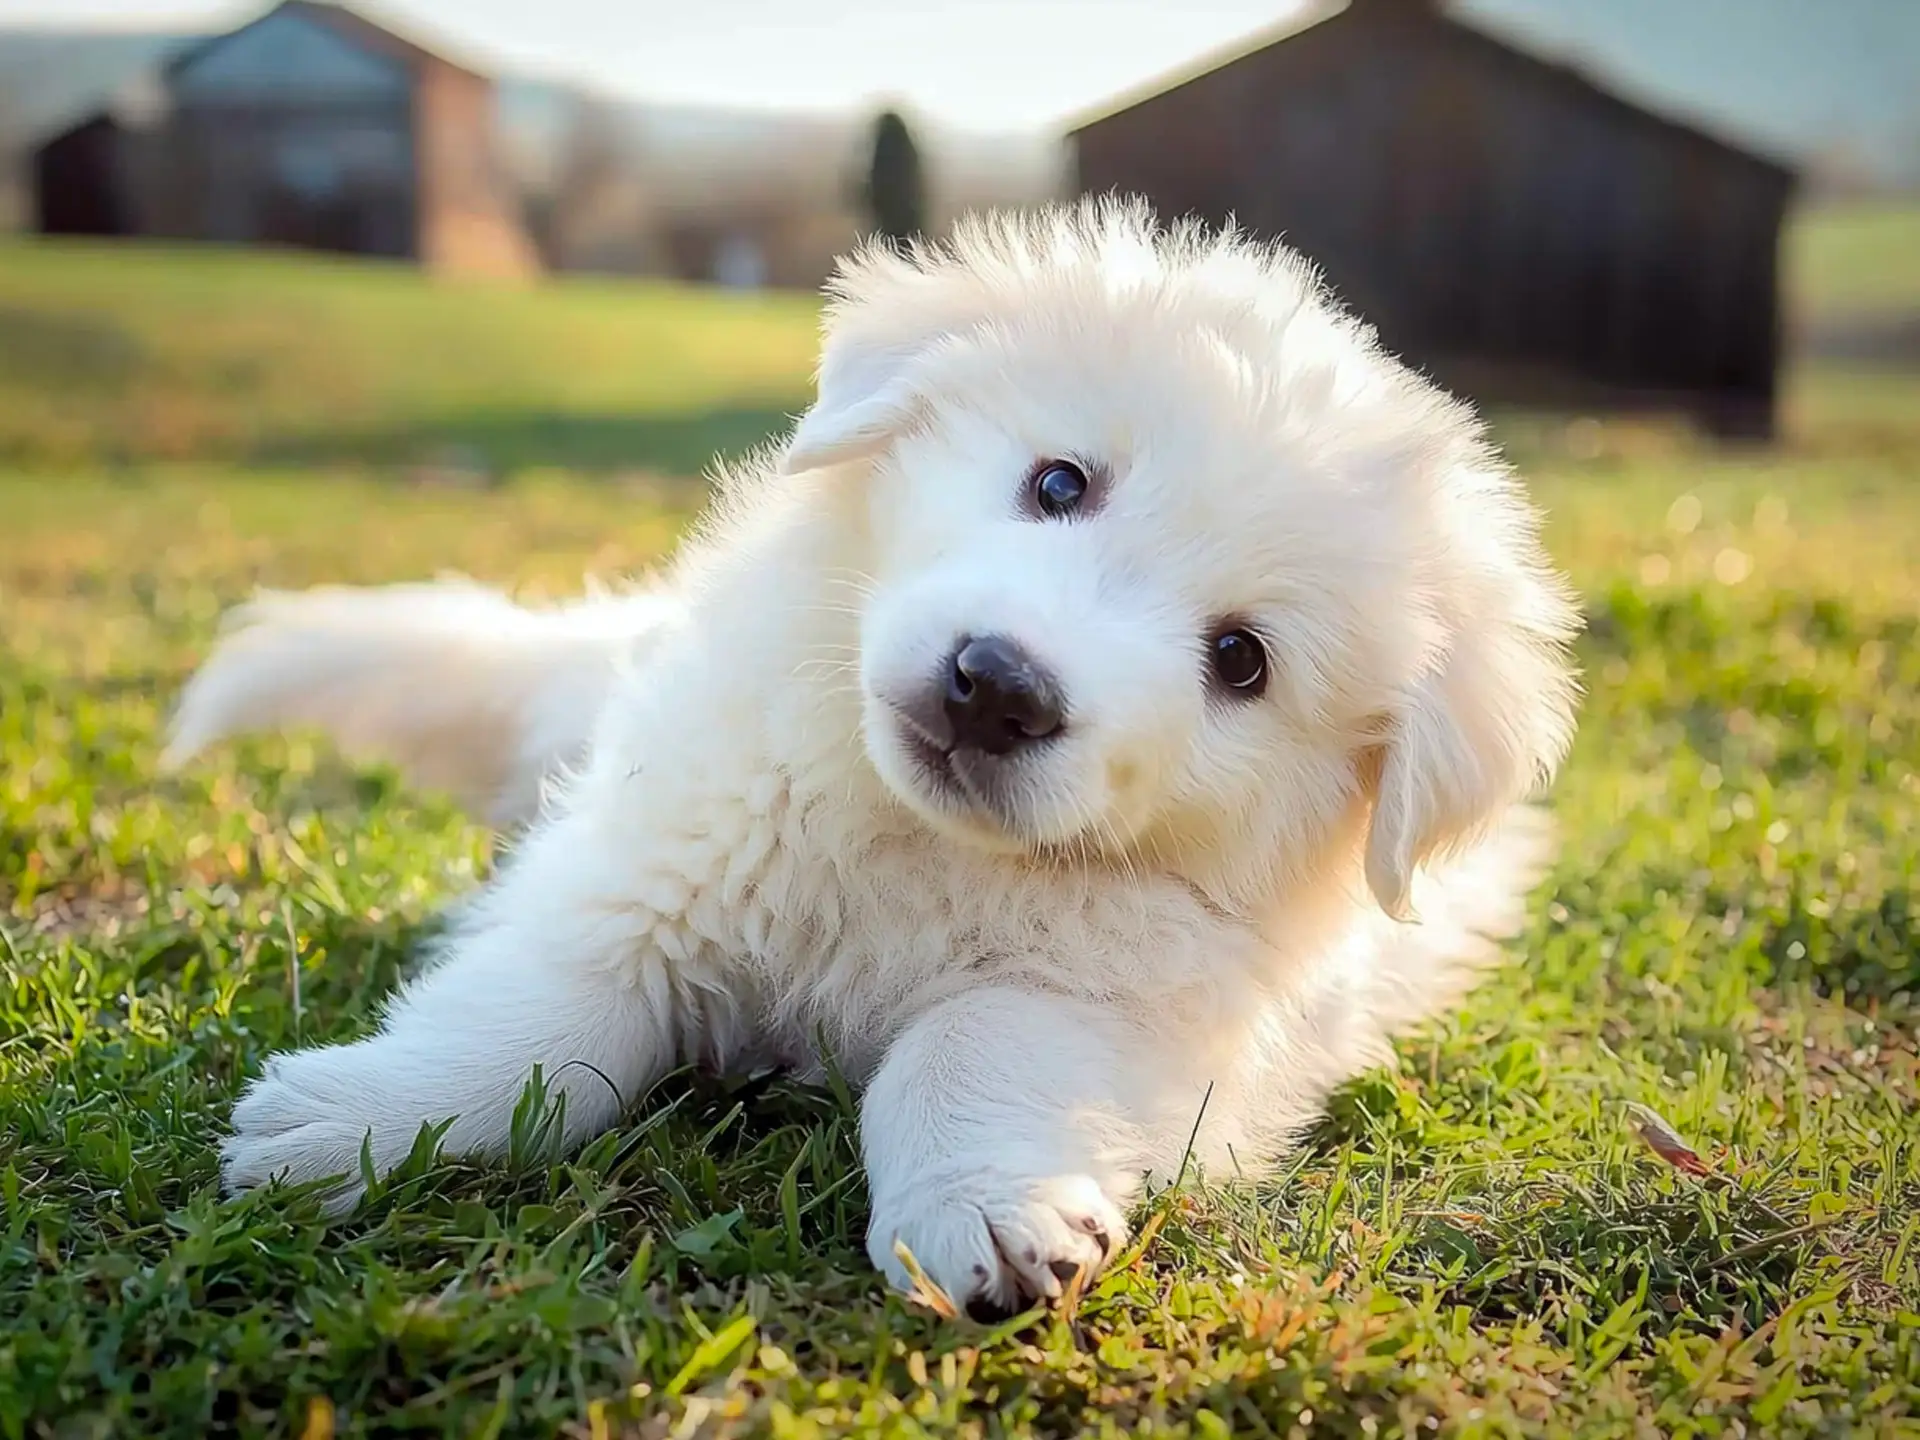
[999, 1148]
[549, 975]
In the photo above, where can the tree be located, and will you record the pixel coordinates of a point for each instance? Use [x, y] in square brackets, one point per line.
[896, 193]
[574, 209]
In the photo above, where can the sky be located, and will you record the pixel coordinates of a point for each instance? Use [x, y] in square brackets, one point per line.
[987, 65]
[1787, 75]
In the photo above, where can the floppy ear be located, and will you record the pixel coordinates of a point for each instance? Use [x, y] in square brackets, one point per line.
[888, 313]
[867, 396]
[1489, 720]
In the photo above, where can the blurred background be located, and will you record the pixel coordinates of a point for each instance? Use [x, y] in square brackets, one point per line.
[1645, 206]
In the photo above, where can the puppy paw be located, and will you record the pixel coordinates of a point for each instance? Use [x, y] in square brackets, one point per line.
[997, 1243]
[307, 1117]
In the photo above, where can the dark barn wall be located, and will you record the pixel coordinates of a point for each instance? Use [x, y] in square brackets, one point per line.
[1504, 223]
[312, 177]
[76, 183]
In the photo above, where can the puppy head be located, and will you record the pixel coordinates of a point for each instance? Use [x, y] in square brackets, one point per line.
[1169, 560]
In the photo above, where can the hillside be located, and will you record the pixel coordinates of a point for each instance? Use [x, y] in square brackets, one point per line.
[1857, 261]
[111, 354]
[146, 353]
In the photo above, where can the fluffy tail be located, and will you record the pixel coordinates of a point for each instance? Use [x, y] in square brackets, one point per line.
[461, 688]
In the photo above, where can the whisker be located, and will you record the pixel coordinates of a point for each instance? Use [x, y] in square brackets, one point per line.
[831, 609]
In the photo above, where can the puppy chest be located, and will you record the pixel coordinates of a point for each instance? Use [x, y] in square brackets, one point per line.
[824, 917]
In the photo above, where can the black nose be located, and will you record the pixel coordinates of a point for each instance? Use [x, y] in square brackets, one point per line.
[998, 697]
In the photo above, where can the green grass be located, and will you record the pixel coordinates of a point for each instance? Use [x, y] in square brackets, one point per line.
[1859, 259]
[117, 355]
[1474, 1242]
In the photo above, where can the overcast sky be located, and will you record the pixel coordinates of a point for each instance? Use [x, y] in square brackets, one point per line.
[981, 64]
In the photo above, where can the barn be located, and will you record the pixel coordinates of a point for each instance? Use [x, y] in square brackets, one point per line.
[310, 127]
[76, 180]
[1514, 228]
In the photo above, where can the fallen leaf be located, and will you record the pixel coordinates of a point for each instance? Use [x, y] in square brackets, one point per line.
[1665, 1141]
[319, 1419]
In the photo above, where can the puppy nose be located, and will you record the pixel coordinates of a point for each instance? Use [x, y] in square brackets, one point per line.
[998, 697]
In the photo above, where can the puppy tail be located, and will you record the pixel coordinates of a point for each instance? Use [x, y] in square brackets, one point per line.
[459, 687]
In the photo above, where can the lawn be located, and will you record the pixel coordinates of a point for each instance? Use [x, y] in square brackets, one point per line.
[1477, 1241]
[123, 355]
[1859, 260]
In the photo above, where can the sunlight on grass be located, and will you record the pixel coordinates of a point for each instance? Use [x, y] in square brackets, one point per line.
[1476, 1241]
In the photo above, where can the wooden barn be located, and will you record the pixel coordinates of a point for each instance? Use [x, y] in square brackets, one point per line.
[1510, 226]
[311, 127]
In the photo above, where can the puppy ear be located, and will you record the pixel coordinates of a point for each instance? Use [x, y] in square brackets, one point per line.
[1491, 717]
[887, 316]
[865, 400]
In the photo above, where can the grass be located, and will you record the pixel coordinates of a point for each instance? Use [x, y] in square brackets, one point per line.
[132, 356]
[1858, 259]
[1475, 1242]
[135, 355]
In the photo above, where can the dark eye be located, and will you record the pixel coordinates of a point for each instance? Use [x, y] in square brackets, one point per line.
[1058, 488]
[1240, 661]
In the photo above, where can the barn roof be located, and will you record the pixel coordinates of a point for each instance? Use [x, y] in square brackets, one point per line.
[1315, 13]
[348, 23]
[92, 120]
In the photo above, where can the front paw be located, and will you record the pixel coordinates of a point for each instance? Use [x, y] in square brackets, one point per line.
[307, 1118]
[998, 1243]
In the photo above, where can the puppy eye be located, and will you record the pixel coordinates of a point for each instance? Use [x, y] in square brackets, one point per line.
[1059, 488]
[1239, 662]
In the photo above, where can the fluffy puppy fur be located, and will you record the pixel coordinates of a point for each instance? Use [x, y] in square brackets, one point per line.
[1150, 882]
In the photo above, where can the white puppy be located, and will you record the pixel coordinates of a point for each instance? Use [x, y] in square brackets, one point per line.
[1106, 711]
